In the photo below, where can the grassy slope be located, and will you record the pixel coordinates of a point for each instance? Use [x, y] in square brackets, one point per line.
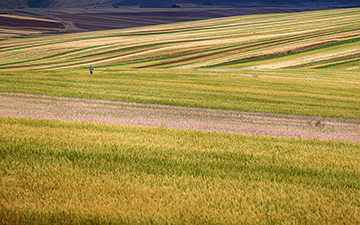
[327, 94]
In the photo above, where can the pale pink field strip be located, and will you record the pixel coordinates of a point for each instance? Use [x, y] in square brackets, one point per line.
[176, 117]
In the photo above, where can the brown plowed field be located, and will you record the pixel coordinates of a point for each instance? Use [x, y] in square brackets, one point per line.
[120, 20]
[117, 19]
[29, 23]
[176, 117]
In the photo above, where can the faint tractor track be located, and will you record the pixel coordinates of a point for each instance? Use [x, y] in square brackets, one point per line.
[69, 25]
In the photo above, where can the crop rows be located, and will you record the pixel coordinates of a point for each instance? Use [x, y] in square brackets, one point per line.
[309, 40]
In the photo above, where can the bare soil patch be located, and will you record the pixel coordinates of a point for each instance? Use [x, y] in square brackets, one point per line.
[177, 117]
[120, 20]
[58, 22]
[28, 22]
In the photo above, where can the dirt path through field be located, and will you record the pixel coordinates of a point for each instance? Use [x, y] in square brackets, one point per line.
[176, 117]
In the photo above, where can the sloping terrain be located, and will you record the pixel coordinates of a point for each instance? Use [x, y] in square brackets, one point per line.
[170, 3]
[119, 19]
[319, 39]
[13, 25]
[23, 4]
[41, 21]
[138, 141]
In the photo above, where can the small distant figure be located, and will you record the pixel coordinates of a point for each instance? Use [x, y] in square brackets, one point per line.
[91, 69]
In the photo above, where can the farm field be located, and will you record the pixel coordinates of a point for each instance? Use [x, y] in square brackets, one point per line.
[236, 120]
[315, 40]
[25, 26]
[40, 22]
[68, 172]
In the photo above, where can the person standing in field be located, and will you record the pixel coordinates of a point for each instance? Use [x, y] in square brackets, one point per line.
[91, 69]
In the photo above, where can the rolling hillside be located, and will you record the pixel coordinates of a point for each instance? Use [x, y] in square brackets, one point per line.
[238, 120]
[37, 21]
[310, 50]
[316, 40]
[14, 4]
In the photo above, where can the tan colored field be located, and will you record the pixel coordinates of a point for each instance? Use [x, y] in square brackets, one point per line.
[26, 18]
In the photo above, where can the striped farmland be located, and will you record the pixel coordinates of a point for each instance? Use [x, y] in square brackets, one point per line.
[318, 39]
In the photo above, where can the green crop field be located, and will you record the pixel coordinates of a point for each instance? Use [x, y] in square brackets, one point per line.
[324, 94]
[75, 172]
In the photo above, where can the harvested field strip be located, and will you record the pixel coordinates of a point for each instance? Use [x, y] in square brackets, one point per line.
[98, 48]
[248, 48]
[294, 51]
[272, 52]
[59, 39]
[176, 117]
[67, 63]
[64, 59]
[57, 55]
[28, 28]
[99, 51]
[314, 57]
[336, 60]
[243, 47]
[83, 53]
[331, 65]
